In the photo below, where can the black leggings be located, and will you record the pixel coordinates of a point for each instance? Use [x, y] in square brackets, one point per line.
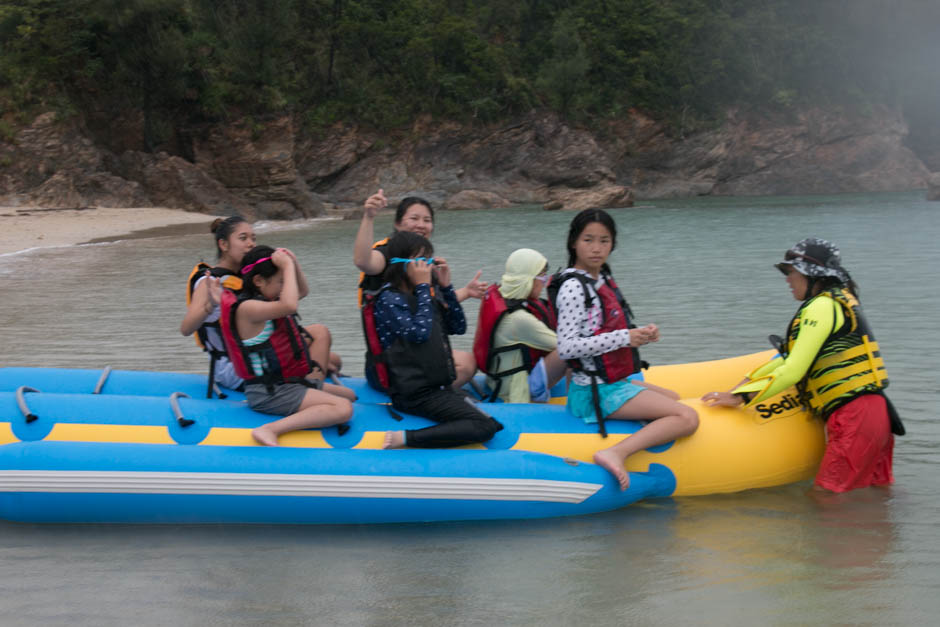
[460, 422]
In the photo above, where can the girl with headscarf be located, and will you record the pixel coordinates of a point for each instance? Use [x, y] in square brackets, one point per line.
[515, 340]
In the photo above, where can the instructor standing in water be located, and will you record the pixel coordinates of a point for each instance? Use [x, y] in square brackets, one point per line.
[831, 355]
[414, 215]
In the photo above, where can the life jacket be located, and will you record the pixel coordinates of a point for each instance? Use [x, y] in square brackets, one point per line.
[208, 336]
[405, 368]
[617, 364]
[614, 365]
[229, 281]
[285, 355]
[493, 309]
[849, 362]
[370, 284]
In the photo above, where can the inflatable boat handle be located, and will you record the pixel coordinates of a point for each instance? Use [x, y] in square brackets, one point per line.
[102, 379]
[174, 403]
[21, 402]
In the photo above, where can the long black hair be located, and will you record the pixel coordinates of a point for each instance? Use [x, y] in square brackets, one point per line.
[408, 202]
[265, 269]
[406, 245]
[222, 229]
[580, 222]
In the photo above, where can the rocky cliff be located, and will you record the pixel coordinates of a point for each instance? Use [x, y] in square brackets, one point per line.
[275, 170]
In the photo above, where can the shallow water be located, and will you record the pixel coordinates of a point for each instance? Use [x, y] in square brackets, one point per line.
[701, 269]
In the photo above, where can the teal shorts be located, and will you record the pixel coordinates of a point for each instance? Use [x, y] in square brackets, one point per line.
[612, 395]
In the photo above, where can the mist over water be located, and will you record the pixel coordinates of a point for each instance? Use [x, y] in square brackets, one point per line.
[701, 269]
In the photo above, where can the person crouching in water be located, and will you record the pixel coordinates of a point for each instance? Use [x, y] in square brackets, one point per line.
[832, 357]
[269, 349]
[412, 326]
[515, 338]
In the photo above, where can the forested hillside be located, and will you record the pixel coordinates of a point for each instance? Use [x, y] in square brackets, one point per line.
[384, 62]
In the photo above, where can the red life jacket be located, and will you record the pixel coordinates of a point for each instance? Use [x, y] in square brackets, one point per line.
[617, 364]
[285, 352]
[376, 366]
[493, 309]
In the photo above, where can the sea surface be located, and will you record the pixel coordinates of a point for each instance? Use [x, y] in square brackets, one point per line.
[702, 269]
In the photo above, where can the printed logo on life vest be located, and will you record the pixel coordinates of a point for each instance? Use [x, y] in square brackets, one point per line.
[789, 403]
[809, 323]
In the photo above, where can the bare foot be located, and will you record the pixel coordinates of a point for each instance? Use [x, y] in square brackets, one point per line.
[394, 439]
[614, 465]
[264, 435]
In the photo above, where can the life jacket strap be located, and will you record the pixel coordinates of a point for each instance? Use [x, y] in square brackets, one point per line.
[596, 399]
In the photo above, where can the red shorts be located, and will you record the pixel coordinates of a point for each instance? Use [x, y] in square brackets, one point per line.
[859, 446]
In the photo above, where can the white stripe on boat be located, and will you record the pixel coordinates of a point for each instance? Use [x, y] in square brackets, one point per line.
[263, 484]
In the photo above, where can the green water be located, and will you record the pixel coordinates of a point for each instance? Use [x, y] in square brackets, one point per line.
[701, 269]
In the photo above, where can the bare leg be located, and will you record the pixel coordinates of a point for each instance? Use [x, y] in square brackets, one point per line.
[466, 367]
[555, 368]
[319, 348]
[670, 420]
[318, 409]
[656, 388]
[340, 390]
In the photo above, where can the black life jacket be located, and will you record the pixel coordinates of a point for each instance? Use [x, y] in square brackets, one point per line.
[405, 368]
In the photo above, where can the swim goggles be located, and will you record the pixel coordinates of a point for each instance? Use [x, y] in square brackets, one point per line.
[248, 268]
[406, 261]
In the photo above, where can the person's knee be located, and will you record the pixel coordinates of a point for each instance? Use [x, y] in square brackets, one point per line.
[344, 409]
[319, 332]
[689, 418]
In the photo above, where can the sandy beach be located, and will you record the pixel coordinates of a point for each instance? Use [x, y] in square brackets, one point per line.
[23, 228]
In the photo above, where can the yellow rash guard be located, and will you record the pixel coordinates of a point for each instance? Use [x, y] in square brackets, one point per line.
[817, 320]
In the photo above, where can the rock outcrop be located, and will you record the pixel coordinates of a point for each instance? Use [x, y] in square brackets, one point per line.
[273, 170]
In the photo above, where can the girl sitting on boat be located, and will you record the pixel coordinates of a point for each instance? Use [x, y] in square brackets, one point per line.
[515, 338]
[597, 337]
[412, 328]
[233, 237]
[268, 348]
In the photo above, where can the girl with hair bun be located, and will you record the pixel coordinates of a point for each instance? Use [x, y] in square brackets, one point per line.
[233, 237]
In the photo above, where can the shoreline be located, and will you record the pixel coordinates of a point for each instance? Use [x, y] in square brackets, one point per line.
[29, 228]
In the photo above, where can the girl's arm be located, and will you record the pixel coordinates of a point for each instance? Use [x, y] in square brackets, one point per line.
[302, 288]
[455, 322]
[366, 258]
[256, 311]
[397, 317]
[201, 304]
[572, 312]
[817, 321]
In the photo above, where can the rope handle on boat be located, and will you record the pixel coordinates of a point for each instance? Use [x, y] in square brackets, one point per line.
[21, 402]
[102, 379]
[174, 403]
